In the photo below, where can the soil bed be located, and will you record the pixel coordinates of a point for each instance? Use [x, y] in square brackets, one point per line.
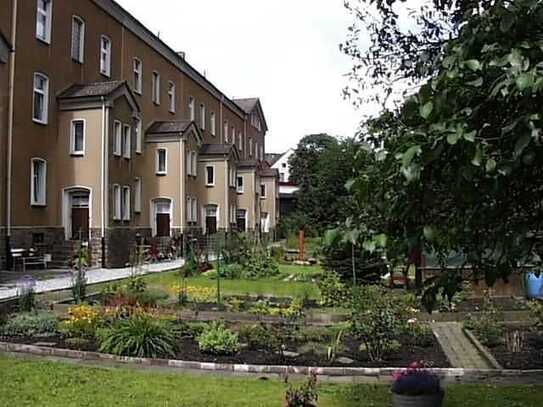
[188, 350]
[530, 358]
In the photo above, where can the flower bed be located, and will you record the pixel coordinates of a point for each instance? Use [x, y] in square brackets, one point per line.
[521, 348]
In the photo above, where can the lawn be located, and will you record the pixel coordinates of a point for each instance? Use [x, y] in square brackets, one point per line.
[51, 384]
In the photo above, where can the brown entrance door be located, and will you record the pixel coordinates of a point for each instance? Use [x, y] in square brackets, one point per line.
[80, 223]
[163, 224]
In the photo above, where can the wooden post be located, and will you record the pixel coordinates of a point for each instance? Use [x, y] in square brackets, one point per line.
[301, 245]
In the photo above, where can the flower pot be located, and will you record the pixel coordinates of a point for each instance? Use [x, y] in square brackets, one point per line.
[427, 400]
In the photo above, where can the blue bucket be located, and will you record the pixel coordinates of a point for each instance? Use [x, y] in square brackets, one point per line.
[534, 286]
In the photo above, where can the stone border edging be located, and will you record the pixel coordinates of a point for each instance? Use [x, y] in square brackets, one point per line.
[450, 374]
[482, 350]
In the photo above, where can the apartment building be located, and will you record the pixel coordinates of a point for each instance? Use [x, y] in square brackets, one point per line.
[108, 135]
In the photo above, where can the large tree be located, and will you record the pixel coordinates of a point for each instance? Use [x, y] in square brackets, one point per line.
[458, 166]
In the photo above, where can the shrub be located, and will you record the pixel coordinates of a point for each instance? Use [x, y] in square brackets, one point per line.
[278, 253]
[420, 334]
[416, 381]
[304, 396]
[138, 336]
[218, 340]
[83, 322]
[26, 293]
[132, 293]
[260, 265]
[31, 324]
[260, 337]
[536, 308]
[231, 271]
[333, 292]
[377, 319]
[487, 326]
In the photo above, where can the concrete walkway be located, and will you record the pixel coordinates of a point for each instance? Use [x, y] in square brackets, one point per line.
[458, 348]
[94, 276]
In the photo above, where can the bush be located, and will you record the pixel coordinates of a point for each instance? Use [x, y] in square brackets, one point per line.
[138, 336]
[231, 271]
[377, 319]
[278, 253]
[218, 340]
[333, 292]
[487, 326]
[420, 334]
[260, 265]
[536, 308]
[26, 293]
[304, 396]
[132, 293]
[31, 324]
[83, 322]
[260, 337]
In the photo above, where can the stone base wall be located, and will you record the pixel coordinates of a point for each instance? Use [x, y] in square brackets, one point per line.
[121, 243]
[3, 257]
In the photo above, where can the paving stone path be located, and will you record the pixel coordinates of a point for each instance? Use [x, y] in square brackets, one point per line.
[458, 348]
[94, 276]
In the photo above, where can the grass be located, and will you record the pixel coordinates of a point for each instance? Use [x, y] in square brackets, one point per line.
[51, 384]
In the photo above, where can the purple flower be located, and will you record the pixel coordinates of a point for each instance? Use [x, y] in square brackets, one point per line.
[27, 283]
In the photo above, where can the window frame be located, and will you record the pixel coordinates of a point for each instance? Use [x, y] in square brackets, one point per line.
[263, 191]
[117, 138]
[81, 46]
[240, 189]
[194, 163]
[157, 161]
[73, 151]
[41, 200]
[210, 184]
[117, 202]
[155, 88]
[192, 109]
[126, 141]
[138, 128]
[126, 203]
[48, 13]
[225, 131]
[105, 70]
[240, 141]
[137, 72]
[213, 123]
[172, 97]
[203, 116]
[138, 194]
[44, 94]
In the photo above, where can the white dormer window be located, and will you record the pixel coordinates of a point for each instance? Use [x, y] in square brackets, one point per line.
[171, 96]
[225, 131]
[78, 39]
[127, 142]
[213, 122]
[138, 76]
[156, 88]
[233, 135]
[202, 117]
[240, 141]
[43, 20]
[137, 130]
[117, 136]
[78, 137]
[250, 147]
[161, 161]
[192, 113]
[105, 56]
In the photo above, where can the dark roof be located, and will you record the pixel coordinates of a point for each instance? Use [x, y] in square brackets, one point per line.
[267, 171]
[86, 90]
[169, 127]
[272, 158]
[247, 164]
[215, 149]
[247, 104]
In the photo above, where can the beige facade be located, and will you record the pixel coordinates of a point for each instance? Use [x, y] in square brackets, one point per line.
[118, 75]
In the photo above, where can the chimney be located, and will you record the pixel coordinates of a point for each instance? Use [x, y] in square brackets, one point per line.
[182, 54]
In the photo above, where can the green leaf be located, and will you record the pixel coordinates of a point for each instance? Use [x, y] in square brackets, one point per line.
[381, 240]
[429, 233]
[331, 236]
[426, 110]
[476, 161]
[473, 64]
[521, 144]
[490, 166]
[408, 156]
[349, 184]
[470, 136]
[476, 83]
[369, 245]
[452, 138]
[507, 22]
[524, 81]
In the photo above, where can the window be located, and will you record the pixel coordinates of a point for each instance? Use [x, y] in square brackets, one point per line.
[43, 20]
[256, 150]
[232, 177]
[156, 88]
[105, 56]
[202, 117]
[250, 147]
[213, 124]
[126, 203]
[117, 130]
[212, 219]
[138, 76]
[38, 182]
[241, 215]
[117, 202]
[127, 144]
[192, 114]
[78, 137]
[233, 135]
[171, 96]
[210, 175]
[78, 39]
[263, 191]
[192, 209]
[188, 163]
[225, 131]
[137, 131]
[240, 141]
[138, 193]
[161, 162]
[239, 185]
[194, 163]
[41, 98]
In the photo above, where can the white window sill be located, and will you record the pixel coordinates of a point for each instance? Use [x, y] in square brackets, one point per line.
[77, 153]
[40, 122]
[38, 205]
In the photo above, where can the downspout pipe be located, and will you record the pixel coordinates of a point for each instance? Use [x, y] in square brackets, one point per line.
[103, 186]
[9, 174]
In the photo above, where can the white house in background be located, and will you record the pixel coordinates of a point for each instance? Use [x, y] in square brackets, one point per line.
[287, 189]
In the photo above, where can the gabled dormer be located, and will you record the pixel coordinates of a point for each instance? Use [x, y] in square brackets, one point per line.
[255, 113]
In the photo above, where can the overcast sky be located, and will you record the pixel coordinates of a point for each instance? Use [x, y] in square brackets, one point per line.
[283, 51]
